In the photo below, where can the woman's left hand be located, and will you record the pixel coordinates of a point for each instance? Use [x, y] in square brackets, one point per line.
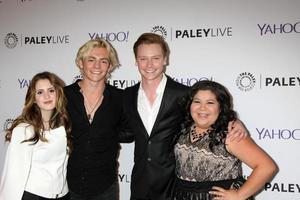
[223, 194]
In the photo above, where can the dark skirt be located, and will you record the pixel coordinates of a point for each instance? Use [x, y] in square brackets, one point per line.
[30, 196]
[188, 190]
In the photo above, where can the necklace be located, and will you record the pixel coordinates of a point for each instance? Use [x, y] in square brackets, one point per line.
[195, 136]
[90, 108]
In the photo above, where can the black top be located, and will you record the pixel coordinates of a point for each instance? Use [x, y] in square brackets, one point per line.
[92, 166]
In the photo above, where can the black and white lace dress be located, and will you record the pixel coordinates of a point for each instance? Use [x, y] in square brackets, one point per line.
[198, 168]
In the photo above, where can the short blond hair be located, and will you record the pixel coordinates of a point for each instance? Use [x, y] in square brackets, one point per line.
[84, 50]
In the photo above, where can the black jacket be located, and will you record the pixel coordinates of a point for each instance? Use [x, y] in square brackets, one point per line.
[154, 163]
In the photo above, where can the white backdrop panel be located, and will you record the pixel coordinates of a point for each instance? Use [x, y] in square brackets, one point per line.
[253, 42]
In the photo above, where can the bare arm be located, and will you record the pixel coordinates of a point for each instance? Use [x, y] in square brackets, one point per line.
[253, 156]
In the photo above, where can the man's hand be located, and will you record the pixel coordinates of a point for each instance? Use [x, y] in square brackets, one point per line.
[237, 130]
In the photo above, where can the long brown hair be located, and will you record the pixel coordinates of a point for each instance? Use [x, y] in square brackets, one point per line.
[227, 114]
[31, 113]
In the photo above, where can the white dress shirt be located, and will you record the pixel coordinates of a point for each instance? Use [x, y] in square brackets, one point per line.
[147, 112]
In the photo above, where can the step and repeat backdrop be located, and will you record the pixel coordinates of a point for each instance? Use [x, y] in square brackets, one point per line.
[252, 47]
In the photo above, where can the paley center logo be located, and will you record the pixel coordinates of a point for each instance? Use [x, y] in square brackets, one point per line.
[278, 133]
[44, 39]
[122, 83]
[160, 30]
[283, 187]
[124, 178]
[119, 83]
[245, 81]
[78, 77]
[121, 36]
[206, 32]
[280, 81]
[12, 39]
[7, 123]
[281, 28]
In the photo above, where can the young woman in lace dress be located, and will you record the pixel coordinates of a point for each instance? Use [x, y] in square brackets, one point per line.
[208, 165]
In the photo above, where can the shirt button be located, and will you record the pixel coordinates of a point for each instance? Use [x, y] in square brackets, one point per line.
[149, 142]
[149, 159]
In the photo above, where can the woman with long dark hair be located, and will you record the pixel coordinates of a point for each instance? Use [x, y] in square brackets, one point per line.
[37, 154]
[208, 164]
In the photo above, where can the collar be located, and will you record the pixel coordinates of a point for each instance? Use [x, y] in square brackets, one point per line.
[161, 86]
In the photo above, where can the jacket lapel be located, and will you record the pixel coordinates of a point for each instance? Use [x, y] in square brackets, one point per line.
[134, 110]
[163, 106]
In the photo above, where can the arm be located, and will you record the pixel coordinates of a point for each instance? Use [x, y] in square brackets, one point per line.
[236, 130]
[253, 156]
[125, 135]
[16, 166]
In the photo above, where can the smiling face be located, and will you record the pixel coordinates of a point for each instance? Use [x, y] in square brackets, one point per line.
[151, 62]
[204, 109]
[95, 65]
[45, 96]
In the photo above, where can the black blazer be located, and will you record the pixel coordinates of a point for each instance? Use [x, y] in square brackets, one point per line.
[154, 163]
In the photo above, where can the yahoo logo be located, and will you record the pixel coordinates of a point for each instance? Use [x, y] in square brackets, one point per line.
[23, 83]
[121, 36]
[278, 134]
[279, 28]
[190, 81]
